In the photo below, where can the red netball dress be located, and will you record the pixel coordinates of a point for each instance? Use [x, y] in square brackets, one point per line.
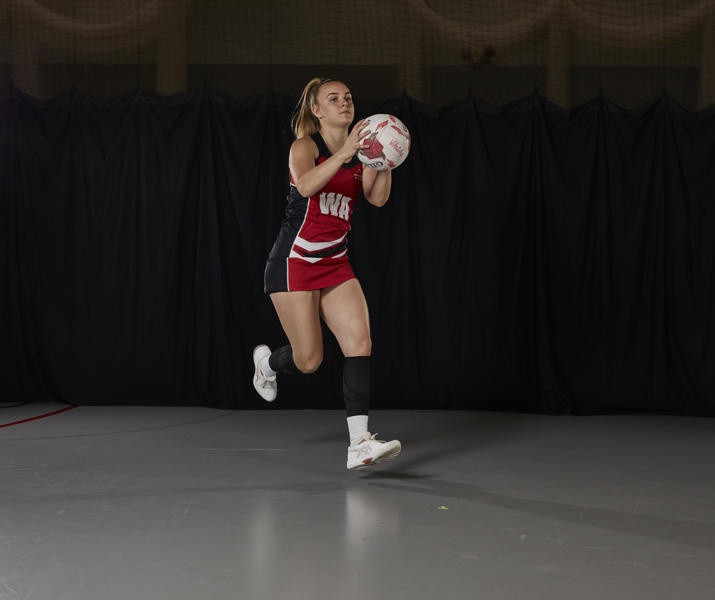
[311, 250]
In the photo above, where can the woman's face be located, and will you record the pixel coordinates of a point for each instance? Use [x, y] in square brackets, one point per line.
[335, 105]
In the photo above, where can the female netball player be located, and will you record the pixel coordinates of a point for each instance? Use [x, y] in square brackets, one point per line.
[308, 275]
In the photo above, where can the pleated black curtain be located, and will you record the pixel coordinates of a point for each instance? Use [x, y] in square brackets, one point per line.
[530, 258]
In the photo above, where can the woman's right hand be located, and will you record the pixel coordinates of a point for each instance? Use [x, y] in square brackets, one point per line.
[354, 141]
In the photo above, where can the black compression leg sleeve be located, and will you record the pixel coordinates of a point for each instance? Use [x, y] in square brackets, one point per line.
[356, 385]
[281, 361]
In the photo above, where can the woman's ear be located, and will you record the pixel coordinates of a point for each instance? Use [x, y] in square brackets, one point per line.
[315, 109]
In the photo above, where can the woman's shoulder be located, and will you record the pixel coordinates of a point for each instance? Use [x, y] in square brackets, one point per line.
[305, 145]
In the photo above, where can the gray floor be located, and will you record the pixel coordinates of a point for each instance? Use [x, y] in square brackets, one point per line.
[107, 503]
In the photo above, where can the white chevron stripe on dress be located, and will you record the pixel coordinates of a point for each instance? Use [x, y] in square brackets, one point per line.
[315, 246]
[294, 254]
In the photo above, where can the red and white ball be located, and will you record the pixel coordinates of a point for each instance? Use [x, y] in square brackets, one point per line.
[389, 142]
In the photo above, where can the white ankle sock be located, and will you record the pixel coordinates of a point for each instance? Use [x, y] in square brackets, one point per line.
[266, 367]
[357, 425]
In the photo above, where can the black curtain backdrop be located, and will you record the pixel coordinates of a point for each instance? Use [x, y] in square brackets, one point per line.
[530, 258]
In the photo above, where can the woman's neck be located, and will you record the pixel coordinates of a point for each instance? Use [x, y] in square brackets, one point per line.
[334, 137]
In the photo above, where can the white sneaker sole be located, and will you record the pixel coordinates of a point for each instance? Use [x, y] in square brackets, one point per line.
[370, 462]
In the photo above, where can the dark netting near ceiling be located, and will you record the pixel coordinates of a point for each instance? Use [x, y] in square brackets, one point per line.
[436, 51]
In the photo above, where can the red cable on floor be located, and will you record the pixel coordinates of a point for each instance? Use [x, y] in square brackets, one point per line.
[56, 412]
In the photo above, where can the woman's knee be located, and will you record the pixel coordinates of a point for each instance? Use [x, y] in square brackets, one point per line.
[359, 346]
[309, 363]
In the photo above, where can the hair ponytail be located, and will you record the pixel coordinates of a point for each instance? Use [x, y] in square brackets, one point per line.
[304, 122]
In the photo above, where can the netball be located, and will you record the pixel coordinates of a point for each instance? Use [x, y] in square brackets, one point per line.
[389, 142]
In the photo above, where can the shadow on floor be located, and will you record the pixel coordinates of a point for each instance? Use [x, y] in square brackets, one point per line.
[692, 533]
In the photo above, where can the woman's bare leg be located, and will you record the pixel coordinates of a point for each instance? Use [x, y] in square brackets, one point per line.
[344, 310]
[299, 315]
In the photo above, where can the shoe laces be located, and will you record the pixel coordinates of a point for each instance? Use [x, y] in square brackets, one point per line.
[263, 379]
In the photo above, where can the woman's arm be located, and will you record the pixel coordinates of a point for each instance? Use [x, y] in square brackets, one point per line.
[310, 178]
[376, 185]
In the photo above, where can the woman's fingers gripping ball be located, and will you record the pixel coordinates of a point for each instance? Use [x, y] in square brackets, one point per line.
[354, 141]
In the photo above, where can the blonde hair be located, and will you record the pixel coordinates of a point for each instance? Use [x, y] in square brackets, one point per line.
[304, 122]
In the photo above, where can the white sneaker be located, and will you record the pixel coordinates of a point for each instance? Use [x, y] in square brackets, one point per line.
[266, 386]
[368, 451]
